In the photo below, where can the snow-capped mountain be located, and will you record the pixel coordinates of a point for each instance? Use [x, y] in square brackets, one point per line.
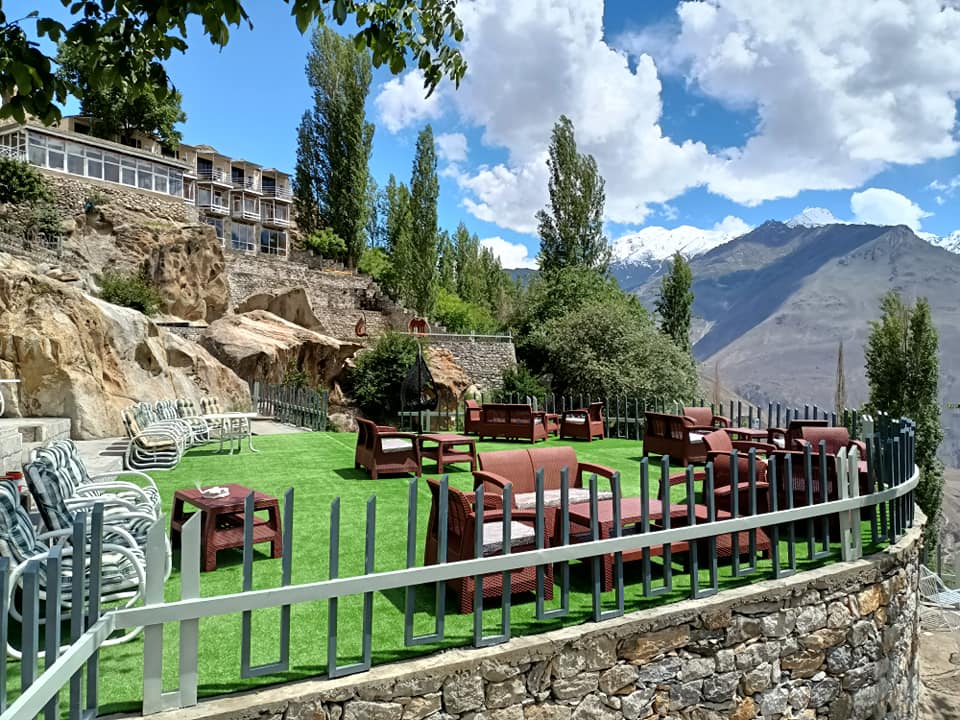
[951, 242]
[813, 217]
[653, 244]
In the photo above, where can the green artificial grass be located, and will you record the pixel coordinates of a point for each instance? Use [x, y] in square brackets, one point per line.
[319, 466]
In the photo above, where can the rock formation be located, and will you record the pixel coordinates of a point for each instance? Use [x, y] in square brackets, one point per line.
[260, 345]
[289, 303]
[448, 375]
[82, 358]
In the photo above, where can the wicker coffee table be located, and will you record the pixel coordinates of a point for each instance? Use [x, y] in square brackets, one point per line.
[222, 521]
[444, 450]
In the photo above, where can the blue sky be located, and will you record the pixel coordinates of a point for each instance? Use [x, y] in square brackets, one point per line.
[707, 114]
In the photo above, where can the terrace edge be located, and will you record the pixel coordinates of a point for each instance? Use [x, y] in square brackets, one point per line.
[839, 641]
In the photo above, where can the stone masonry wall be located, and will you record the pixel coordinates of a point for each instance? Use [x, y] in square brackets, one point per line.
[70, 194]
[10, 447]
[838, 642]
[483, 361]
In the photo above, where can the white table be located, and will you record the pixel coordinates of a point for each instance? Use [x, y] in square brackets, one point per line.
[5, 381]
[232, 417]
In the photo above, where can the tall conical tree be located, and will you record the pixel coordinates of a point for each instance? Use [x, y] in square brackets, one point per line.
[840, 393]
[424, 190]
[333, 183]
[398, 238]
[571, 229]
[675, 303]
[902, 377]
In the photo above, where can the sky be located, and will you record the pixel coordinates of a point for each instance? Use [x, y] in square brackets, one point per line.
[716, 114]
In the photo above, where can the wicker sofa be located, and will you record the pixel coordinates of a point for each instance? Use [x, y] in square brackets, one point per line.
[676, 436]
[506, 420]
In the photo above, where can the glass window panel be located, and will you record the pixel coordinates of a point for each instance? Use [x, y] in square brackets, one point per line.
[128, 176]
[38, 141]
[55, 160]
[176, 186]
[145, 180]
[38, 155]
[128, 162]
[94, 154]
[111, 172]
[74, 163]
[55, 144]
[160, 183]
[111, 158]
[94, 168]
[203, 195]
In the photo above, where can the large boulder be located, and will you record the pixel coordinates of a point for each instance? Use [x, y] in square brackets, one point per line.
[84, 359]
[289, 303]
[260, 345]
[448, 375]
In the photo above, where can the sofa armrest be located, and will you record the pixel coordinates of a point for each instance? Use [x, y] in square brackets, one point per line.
[591, 469]
[386, 428]
[861, 446]
[721, 421]
[744, 446]
[493, 487]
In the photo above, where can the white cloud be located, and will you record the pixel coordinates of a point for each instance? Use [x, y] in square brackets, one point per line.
[733, 226]
[512, 255]
[451, 147]
[838, 95]
[401, 102]
[830, 98]
[879, 206]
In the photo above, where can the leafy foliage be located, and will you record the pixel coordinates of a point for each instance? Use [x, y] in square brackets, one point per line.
[334, 140]
[117, 110]
[129, 41]
[132, 291]
[21, 183]
[375, 381]
[902, 377]
[326, 243]
[520, 382]
[375, 263]
[675, 303]
[446, 263]
[460, 316]
[421, 272]
[571, 233]
[295, 376]
[398, 235]
[579, 330]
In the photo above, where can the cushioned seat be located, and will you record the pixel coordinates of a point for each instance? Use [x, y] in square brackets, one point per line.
[520, 534]
[396, 445]
[551, 498]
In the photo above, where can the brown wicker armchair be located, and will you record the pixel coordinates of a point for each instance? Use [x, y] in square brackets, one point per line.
[461, 529]
[584, 423]
[471, 417]
[719, 449]
[675, 436]
[834, 438]
[381, 449]
[784, 438]
[704, 417]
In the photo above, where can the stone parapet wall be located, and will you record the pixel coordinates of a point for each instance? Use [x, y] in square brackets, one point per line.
[837, 642]
[484, 361]
[70, 193]
[10, 448]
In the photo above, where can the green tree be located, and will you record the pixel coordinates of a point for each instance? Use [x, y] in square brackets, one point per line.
[332, 179]
[446, 263]
[469, 281]
[376, 379]
[120, 109]
[460, 316]
[399, 229]
[611, 347]
[675, 303]
[130, 40]
[571, 230]
[375, 263]
[21, 183]
[902, 377]
[424, 190]
[326, 243]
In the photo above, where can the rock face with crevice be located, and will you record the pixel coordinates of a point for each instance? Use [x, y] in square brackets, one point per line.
[259, 345]
[289, 303]
[84, 359]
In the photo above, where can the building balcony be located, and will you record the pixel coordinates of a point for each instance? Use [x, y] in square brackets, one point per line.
[215, 176]
[275, 221]
[13, 153]
[244, 214]
[247, 184]
[213, 208]
[279, 193]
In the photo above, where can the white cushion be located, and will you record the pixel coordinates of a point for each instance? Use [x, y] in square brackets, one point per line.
[395, 444]
[780, 441]
[575, 419]
[520, 534]
[696, 438]
[551, 498]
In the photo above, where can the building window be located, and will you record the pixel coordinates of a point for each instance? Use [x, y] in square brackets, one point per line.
[273, 242]
[111, 167]
[94, 163]
[75, 159]
[55, 156]
[241, 237]
[217, 225]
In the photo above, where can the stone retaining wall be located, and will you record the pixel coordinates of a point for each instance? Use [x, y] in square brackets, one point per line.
[10, 447]
[838, 642]
[483, 361]
[70, 193]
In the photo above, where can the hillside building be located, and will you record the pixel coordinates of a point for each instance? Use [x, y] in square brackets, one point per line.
[249, 207]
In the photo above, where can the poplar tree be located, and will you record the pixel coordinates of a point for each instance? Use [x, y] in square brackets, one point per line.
[446, 264]
[424, 190]
[571, 228]
[398, 238]
[469, 281]
[333, 181]
[902, 377]
[675, 303]
[840, 392]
